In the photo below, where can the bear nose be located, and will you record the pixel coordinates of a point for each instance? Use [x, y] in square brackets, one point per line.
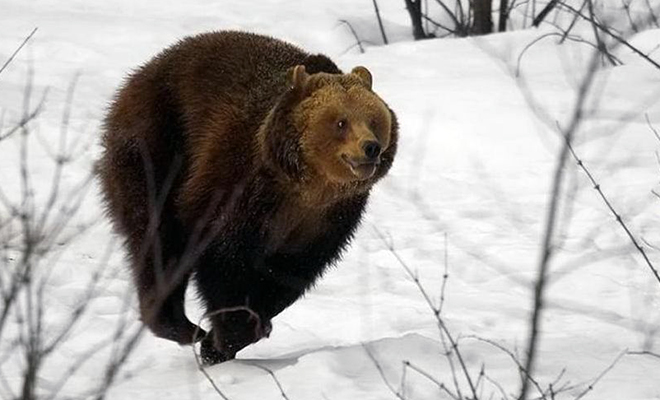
[371, 150]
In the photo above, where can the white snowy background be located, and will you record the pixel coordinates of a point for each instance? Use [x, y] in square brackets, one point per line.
[468, 195]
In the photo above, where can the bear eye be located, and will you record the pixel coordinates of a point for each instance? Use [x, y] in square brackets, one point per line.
[341, 124]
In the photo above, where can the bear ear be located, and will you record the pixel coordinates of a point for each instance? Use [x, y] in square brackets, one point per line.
[296, 77]
[364, 75]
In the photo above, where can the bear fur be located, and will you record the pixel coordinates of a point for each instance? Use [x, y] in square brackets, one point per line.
[245, 163]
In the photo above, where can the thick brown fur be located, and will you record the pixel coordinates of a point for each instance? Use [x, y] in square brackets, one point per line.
[246, 163]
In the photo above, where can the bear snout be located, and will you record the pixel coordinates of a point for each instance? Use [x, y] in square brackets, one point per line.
[371, 150]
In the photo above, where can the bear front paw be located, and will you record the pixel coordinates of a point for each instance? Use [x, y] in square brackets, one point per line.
[210, 355]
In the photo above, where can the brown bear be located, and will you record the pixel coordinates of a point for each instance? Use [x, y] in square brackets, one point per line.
[245, 163]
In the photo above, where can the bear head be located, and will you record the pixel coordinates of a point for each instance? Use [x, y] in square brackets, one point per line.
[330, 127]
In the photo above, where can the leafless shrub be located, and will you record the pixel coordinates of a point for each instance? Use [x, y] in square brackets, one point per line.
[38, 224]
[603, 40]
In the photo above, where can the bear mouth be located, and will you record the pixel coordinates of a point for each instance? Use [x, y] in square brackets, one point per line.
[361, 169]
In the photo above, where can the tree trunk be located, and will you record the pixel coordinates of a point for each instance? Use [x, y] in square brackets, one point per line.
[482, 22]
[414, 8]
[504, 15]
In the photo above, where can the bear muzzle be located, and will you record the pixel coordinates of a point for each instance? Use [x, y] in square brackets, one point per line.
[362, 167]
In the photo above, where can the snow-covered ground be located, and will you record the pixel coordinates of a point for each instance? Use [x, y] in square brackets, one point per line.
[468, 193]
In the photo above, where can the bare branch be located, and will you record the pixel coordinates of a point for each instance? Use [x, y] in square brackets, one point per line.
[60, 158]
[601, 375]
[599, 41]
[380, 22]
[83, 303]
[460, 29]
[654, 18]
[441, 324]
[200, 367]
[81, 360]
[118, 360]
[547, 245]
[9, 60]
[616, 215]
[563, 36]
[440, 26]
[382, 373]
[277, 381]
[626, 7]
[350, 27]
[644, 353]
[26, 118]
[612, 34]
[524, 372]
[445, 277]
[544, 13]
[440, 385]
[655, 132]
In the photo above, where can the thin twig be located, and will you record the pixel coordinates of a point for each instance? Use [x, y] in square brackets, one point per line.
[480, 378]
[452, 367]
[460, 28]
[277, 381]
[436, 312]
[402, 387]
[445, 277]
[82, 302]
[76, 365]
[440, 385]
[118, 361]
[570, 27]
[616, 215]
[200, 367]
[655, 132]
[626, 7]
[26, 118]
[380, 22]
[498, 386]
[382, 373]
[601, 375]
[350, 27]
[599, 41]
[644, 353]
[525, 374]
[654, 19]
[563, 36]
[60, 158]
[440, 26]
[612, 34]
[9, 60]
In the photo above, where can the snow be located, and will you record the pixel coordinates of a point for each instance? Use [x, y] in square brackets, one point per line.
[472, 176]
